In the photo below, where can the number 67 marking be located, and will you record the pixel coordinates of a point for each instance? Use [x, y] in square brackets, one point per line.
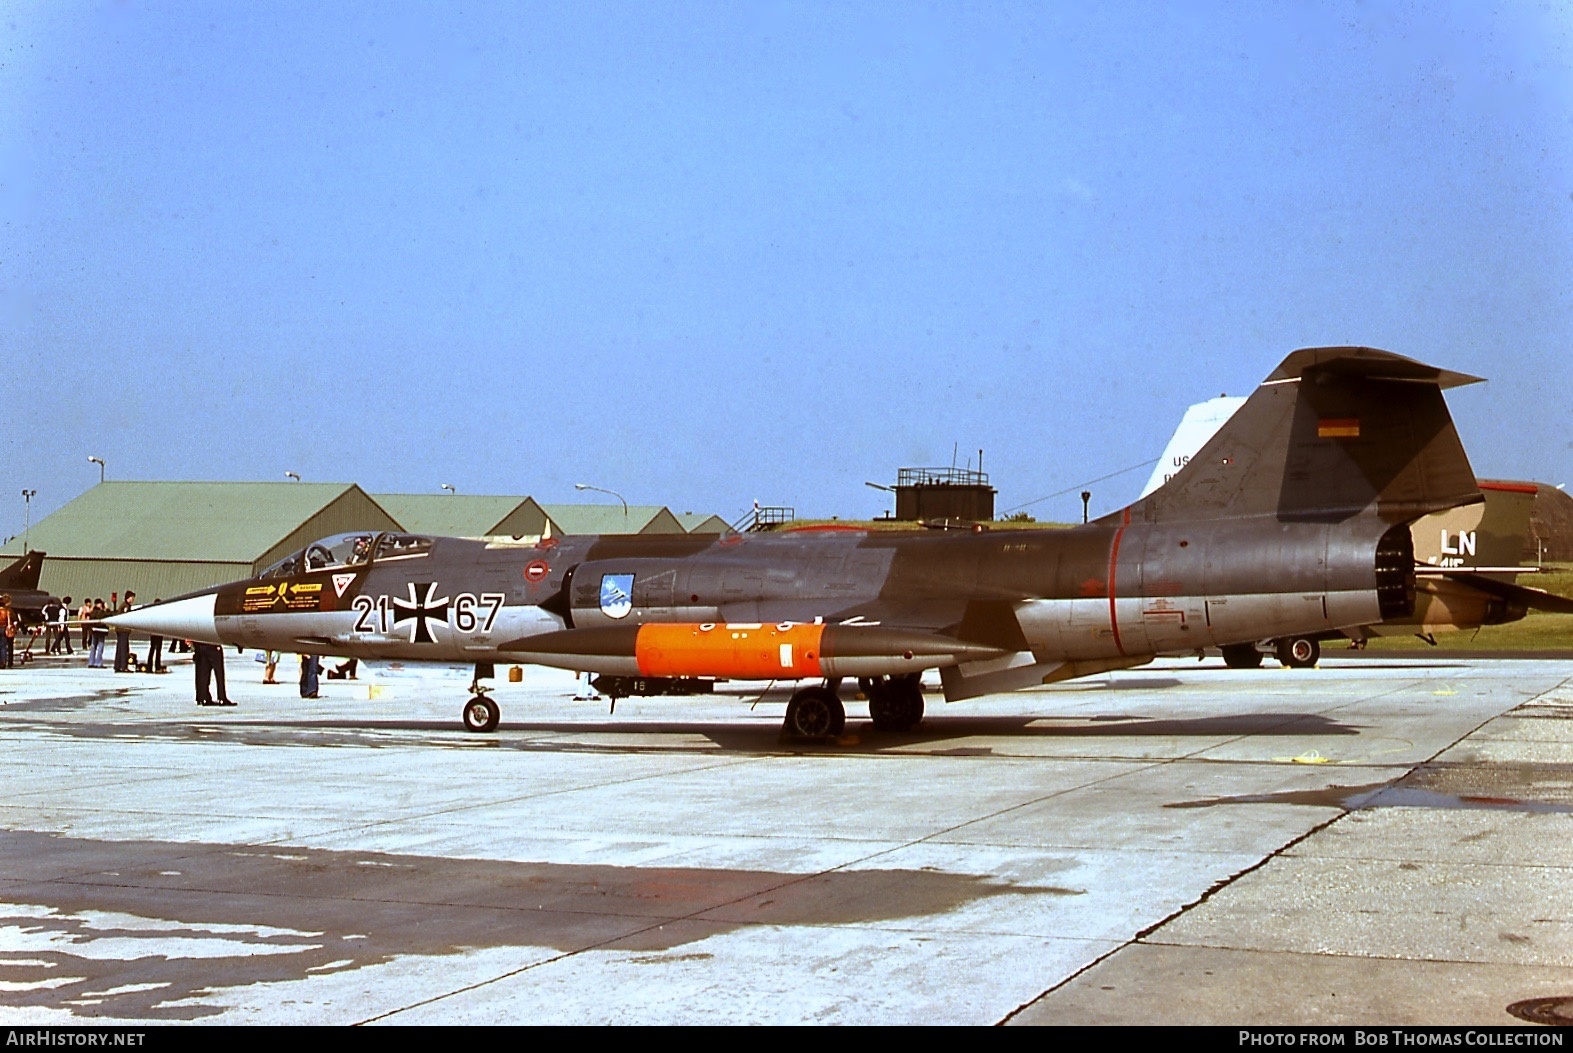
[465, 619]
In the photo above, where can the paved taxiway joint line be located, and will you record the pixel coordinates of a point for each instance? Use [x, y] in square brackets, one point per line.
[1216, 886]
[1141, 936]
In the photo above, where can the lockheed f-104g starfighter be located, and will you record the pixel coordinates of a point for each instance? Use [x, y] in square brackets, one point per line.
[1293, 519]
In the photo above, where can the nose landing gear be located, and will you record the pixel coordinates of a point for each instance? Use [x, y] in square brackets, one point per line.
[481, 713]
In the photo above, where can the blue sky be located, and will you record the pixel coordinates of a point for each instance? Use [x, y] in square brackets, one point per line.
[706, 254]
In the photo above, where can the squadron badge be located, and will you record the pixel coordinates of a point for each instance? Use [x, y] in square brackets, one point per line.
[617, 595]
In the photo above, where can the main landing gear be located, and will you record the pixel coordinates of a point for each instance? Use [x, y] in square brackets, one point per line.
[894, 704]
[481, 713]
[1241, 656]
[814, 713]
[1298, 652]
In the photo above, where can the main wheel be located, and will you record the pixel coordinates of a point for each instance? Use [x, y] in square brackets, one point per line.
[914, 701]
[1241, 656]
[884, 705]
[814, 713]
[896, 704]
[1299, 652]
[481, 714]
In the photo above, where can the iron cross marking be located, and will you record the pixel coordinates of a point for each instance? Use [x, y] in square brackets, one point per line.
[420, 610]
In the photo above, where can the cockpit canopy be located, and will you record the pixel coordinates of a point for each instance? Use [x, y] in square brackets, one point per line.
[348, 550]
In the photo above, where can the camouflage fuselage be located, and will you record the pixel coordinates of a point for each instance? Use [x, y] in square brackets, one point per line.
[1097, 592]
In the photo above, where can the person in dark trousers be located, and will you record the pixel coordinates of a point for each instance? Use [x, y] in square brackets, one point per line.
[63, 622]
[51, 614]
[210, 665]
[98, 632]
[123, 659]
[155, 653]
[310, 670]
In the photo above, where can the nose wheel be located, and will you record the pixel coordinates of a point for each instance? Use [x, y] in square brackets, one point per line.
[481, 713]
[814, 713]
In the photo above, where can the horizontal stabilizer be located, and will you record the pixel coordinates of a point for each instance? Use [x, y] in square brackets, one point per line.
[1518, 595]
[1427, 570]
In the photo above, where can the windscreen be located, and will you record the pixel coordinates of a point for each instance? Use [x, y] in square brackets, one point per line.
[340, 550]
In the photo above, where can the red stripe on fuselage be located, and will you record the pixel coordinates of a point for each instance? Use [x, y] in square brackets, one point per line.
[1114, 567]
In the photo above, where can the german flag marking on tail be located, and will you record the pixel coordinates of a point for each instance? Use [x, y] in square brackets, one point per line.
[1338, 428]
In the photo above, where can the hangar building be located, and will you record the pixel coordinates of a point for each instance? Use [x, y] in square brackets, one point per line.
[466, 515]
[165, 539]
[462, 515]
[699, 523]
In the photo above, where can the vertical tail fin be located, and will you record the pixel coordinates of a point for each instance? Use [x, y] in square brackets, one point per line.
[1333, 432]
[24, 573]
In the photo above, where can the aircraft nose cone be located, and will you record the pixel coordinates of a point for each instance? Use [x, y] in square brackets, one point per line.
[190, 618]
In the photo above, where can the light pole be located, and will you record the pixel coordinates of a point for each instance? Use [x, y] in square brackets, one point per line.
[100, 462]
[27, 498]
[449, 487]
[292, 475]
[604, 490]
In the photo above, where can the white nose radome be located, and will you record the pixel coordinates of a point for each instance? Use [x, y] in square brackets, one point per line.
[186, 619]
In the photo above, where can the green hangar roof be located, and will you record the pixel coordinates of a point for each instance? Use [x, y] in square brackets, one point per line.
[460, 515]
[170, 538]
[470, 515]
[700, 523]
[611, 519]
[202, 522]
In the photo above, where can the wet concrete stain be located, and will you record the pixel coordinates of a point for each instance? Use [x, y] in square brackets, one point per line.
[189, 920]
[1428, 786]
[63, 703]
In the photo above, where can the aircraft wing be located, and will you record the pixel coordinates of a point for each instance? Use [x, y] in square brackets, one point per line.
[1519, 595]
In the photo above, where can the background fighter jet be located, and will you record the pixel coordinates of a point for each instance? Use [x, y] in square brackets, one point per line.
[1292, 520]
[20, 582]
